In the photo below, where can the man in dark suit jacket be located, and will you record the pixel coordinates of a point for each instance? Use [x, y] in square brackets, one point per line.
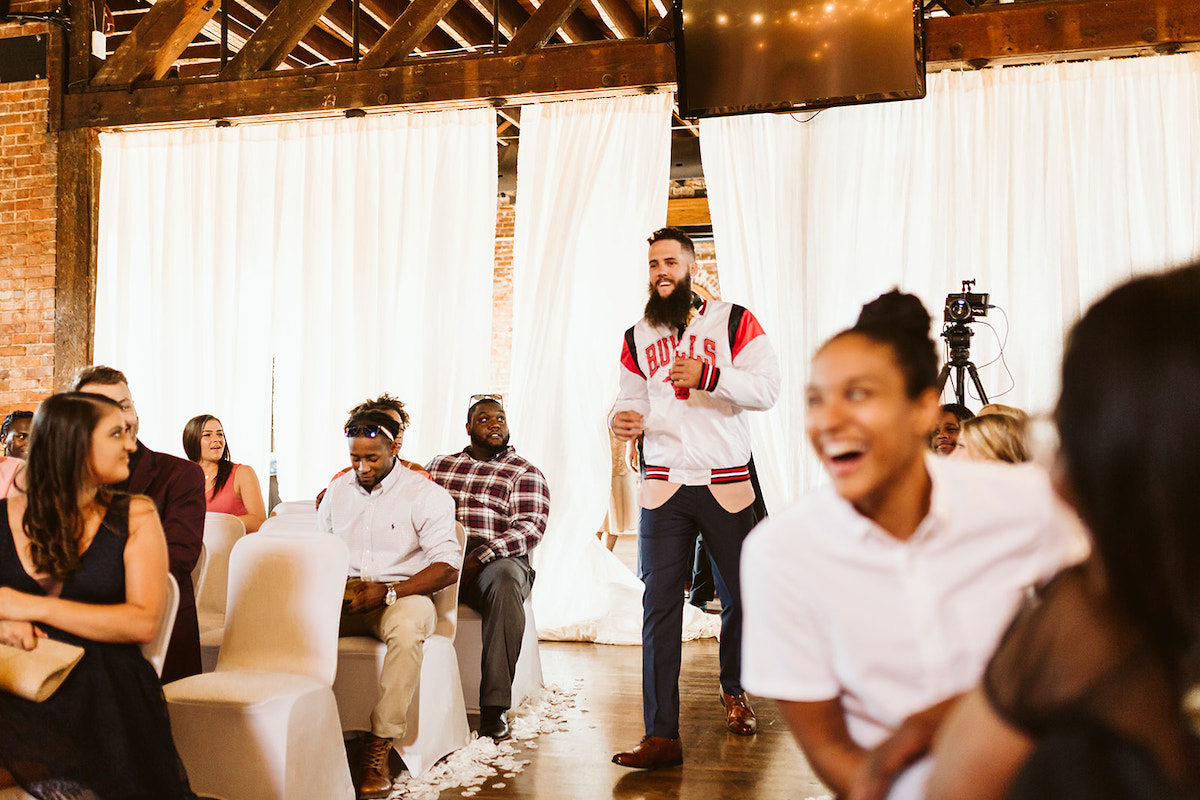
[177, 488]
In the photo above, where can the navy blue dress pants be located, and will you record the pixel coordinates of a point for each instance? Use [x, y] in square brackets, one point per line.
[666, 540]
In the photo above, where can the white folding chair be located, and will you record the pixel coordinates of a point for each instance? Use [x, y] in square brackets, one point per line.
[290, 524]
[527, 679]
[221, 533]
[199, 570]
[294, 507]
[155, 650]
[264, 724]
[437, 719]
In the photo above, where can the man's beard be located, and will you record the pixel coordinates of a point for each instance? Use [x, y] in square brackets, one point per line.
[483, 444]
[670, 311]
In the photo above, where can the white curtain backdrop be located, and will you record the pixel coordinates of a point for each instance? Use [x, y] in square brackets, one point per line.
[384, 283]
[183, 274]
[591, 179]
[1046, 184]
[357, 253]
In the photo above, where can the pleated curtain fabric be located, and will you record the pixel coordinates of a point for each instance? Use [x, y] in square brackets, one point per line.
[591, 186]
[1046, 184]
[352, 256]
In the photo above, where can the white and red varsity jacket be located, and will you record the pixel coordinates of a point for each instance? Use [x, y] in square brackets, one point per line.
[704, 438]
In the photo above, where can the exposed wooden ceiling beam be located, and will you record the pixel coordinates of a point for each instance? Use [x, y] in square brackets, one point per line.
[1016, 33]
[469, 24]
[340, 17]
[438, 41]
[1023, 33]
[163, 32]
[409, 30]
[579, 27]
[541, 26]
[512, 17]
[619, 18]
[555, 73]
[279, 33]
[320, 42]
[386, 12]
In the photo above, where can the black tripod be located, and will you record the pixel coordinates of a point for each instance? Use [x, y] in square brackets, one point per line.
[958, 336]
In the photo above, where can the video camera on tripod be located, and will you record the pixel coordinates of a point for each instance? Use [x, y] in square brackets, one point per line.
[960, 310]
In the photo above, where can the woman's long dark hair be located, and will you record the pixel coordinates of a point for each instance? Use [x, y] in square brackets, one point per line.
[1130, 434]
[192, 432]
[55, 474]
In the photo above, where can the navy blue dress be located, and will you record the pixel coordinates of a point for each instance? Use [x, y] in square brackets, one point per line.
[106, 727]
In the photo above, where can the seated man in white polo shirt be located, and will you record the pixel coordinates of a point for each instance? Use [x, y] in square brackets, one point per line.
[871, 604]
[399, 529]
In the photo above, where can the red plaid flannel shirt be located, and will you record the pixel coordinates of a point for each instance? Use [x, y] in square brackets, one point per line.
[504, 501]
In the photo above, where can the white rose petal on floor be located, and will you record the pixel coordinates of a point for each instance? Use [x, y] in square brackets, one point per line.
[472, 766]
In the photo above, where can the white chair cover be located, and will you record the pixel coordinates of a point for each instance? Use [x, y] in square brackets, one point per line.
[221, 533]
[299, 522]
[264, 724]
[294, 507]
[155, 650]
[469, 647]
[199, 571]
[437, 717]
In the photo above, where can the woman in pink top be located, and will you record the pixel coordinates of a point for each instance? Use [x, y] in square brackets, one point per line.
[8, 471]
[228, 488]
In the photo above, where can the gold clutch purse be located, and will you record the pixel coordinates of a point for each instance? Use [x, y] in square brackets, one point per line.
[36, 674]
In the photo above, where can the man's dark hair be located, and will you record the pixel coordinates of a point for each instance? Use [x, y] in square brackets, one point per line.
[374, 419]
[12, 418]
[677, 235]
[385, 402]
[959, 411]
[98, 373]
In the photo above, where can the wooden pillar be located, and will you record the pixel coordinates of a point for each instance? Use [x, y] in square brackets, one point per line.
[75, 240]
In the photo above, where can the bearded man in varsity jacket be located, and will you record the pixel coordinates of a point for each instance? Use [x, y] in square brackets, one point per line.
[690, 370]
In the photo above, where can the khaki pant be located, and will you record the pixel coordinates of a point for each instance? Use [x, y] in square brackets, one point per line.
[403, 628]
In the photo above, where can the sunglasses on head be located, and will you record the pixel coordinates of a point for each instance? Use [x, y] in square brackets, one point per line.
[369, 431]
[479, 398]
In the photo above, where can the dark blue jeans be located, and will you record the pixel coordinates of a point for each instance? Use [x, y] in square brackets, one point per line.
[666, 539]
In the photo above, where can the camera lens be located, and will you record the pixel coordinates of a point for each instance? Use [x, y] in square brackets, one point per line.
[958, 309]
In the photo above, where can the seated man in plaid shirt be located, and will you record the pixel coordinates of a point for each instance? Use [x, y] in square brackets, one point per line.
[503, 502]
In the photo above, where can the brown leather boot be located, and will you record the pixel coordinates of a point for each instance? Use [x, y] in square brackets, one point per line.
[374, 781]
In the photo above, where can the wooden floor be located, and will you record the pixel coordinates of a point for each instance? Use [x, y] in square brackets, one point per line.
[576, 764]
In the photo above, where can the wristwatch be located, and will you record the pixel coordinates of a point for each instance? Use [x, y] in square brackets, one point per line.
[390, 597]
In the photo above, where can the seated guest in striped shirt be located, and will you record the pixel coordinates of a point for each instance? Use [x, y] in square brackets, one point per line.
[503, 502]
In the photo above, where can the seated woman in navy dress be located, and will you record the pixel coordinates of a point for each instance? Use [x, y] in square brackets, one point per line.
[85, 566]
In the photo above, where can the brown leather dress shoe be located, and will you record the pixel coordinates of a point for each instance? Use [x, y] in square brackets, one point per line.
[739, 716]
[373, 778]
[652, 753]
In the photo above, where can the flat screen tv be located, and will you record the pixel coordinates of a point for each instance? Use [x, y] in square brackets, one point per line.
[750, 56]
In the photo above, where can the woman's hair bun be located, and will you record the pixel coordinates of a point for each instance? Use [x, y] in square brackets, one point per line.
[895, 311]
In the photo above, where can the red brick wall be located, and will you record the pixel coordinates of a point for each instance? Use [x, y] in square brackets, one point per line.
[502, 301]
[28, 182]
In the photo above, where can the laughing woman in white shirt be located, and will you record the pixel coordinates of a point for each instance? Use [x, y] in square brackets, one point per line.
[875, 602]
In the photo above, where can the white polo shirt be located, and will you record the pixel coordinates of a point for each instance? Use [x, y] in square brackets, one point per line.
[403, 526]
[835, 607]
